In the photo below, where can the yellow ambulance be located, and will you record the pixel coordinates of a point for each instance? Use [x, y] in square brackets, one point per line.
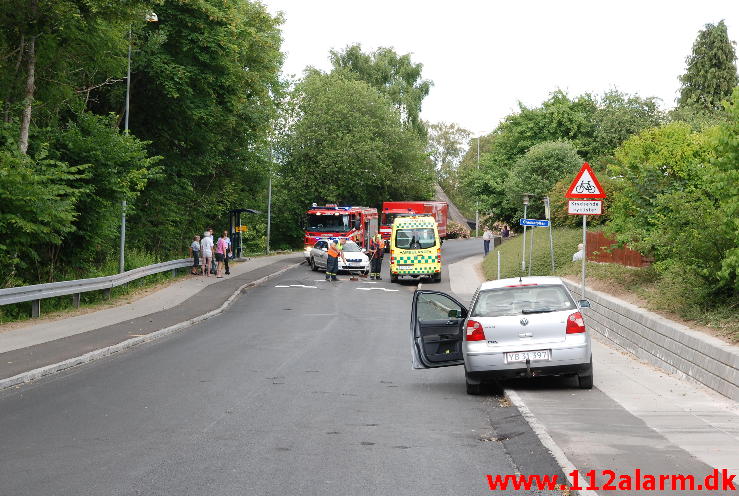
[415, 248]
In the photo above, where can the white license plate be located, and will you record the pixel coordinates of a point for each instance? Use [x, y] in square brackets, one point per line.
[522, 356]
[405, 266]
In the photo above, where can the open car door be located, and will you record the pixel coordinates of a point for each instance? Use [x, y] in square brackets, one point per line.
[436, 330]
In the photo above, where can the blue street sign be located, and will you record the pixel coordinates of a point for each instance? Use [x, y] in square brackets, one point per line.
[534, 222]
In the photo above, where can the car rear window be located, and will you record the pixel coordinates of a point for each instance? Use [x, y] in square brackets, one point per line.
[522, 299]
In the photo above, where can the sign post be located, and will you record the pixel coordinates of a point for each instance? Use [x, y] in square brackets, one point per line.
[547, 214]
[585, 195]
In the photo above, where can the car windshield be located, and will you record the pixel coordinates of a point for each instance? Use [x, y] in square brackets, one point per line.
[350, 246]
[419, 238]
[328, 223]
[522, 300]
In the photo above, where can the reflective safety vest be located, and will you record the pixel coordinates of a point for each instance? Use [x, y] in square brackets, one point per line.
[332, 252]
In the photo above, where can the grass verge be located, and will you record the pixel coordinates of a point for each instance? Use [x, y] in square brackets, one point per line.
[673, 295]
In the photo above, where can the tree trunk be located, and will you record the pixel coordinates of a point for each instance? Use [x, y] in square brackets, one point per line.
[28, 96]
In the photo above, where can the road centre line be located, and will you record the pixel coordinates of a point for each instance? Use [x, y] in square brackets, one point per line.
[382, 289]
[296, 286]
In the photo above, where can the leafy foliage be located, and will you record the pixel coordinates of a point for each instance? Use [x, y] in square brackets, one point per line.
[346, 145]
[39, 196]
[669, 205]
[446, 146]
[711, 73]
[727, 189]
[396, 76]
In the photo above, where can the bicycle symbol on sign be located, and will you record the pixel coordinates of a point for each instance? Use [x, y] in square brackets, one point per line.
[585, 187]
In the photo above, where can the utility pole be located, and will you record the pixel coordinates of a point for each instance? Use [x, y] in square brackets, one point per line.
[477, 203]
[150, 17]
[122, 249]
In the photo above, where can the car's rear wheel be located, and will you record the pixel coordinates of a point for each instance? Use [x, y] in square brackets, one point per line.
[437, 277]
[393, 278]
[474, 387]
[313, 265]
[585, 379]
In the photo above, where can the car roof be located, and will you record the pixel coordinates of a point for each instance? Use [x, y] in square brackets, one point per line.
[515, 281]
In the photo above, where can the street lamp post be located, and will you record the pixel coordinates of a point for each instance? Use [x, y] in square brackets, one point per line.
[150, 17]
[477, 203]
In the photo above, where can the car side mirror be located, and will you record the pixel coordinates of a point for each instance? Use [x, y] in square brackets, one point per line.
[584, 303]
[324, 249]
[364, 250]
[454, 314]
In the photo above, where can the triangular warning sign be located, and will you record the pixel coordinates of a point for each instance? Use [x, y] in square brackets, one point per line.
[585, 185]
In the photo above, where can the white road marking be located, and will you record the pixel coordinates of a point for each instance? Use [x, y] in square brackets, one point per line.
[382, 289]
[279, 286]
[296, 286]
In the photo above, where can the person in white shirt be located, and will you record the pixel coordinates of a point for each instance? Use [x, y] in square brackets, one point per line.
[195, 254]
[206, 252]
[486, 237]
[578, 254]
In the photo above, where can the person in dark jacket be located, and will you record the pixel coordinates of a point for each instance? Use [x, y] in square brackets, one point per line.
[377, 251]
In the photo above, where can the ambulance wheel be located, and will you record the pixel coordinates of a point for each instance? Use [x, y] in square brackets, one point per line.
[393, 278]
[313, 265]
[437, 277]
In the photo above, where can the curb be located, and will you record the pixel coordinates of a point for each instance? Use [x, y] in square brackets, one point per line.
[541, 432]
[41, 372]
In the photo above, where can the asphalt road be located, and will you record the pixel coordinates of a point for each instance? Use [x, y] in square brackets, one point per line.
[301, 387]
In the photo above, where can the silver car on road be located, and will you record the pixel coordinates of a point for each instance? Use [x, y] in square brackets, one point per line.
[521, 327]
[356, 259]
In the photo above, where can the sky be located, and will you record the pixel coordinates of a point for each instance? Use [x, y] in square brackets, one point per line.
[485, 56]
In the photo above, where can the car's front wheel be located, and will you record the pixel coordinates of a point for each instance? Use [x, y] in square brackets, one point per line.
[313, 265]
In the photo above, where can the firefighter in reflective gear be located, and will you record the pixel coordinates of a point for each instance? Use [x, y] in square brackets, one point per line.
[377, 250]
[332, 260]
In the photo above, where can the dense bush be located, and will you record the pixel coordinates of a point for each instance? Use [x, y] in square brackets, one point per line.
[457, 230]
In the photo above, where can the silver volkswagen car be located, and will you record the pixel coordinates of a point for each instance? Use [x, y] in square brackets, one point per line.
[521, 327]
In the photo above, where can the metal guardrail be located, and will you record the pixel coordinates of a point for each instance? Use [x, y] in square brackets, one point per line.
[37, 292]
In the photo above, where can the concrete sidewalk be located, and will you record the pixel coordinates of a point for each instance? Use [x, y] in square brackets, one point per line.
[637, 417]
[48, 342]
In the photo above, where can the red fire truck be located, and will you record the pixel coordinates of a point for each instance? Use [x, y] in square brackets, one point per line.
[390, 210]
[331, 221]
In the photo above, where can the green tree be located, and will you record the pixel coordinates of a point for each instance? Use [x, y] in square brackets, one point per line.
[38, 196]
[346, 145]
[711, 73]
[727, 190]
[536, 172]
[446, 145]
[204, 90]
[669, 204]
[619, 116]
[396, 76]
[55, 50]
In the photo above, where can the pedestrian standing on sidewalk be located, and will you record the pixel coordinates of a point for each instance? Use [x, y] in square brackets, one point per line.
[206, 251]
[228, 252]
[195, 254]
[505, 232]
[213, 263]
[332, 260]
[486, 237]
[221, 251]
[377, 251]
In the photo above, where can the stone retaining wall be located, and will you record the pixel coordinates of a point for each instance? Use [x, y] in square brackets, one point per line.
[663, 343]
